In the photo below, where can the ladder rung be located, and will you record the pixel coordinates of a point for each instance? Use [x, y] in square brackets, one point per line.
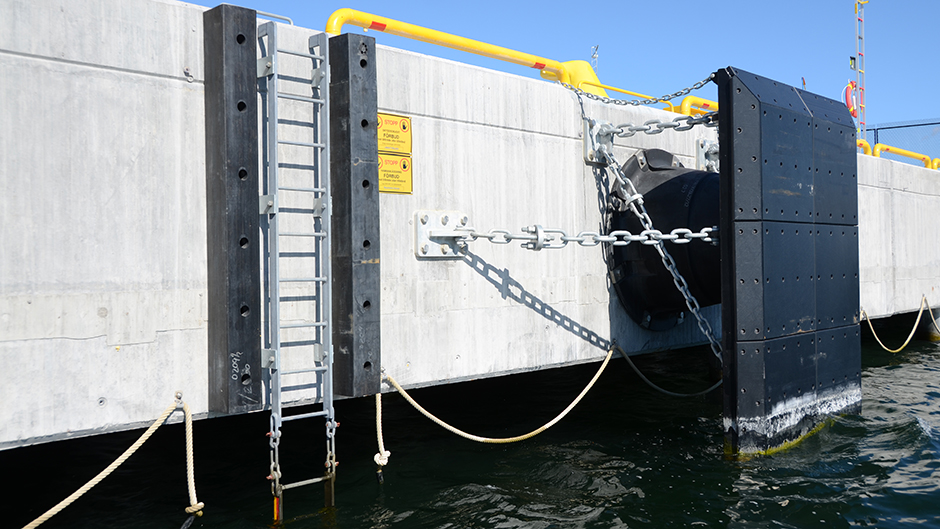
[305, 482]
[298, 166]
[303, 280]
[304, 416]
[307, 255]
[311, 370]
[296, 299]
[303, 189]
[305, 99]
[304, 234]
[299, 343]
[302, 144]
[302, 325]
[300, 54]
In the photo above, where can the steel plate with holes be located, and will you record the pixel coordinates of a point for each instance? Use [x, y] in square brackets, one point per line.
[435, 235]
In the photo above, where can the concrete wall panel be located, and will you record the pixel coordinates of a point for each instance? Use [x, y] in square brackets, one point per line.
[102, 220]
[899, 257]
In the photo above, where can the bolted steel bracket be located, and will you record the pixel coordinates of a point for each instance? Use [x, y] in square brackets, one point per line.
[267, 358]
[706, 156]
[437, 235]
[265, 67]
[597, 139]
[267, 204]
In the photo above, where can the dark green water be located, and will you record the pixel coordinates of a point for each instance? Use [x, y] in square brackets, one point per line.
[626, 457]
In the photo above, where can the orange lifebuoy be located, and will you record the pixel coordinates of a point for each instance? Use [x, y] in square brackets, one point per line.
[849, 97]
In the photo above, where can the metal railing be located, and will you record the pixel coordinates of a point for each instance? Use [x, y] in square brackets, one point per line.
[693, 106]
[549, 68]
[880, 148]
[579, 74]
[864, 146]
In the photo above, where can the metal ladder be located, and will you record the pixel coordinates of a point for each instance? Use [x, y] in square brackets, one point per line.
[860, 67]
[295, 223]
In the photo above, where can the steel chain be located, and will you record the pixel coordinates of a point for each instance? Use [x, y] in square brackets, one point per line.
[638, 102]
[640, 211]
[656, 126]
[274, 442]
[538, 238]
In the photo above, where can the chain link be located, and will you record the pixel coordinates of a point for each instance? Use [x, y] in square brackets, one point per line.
[274, 441]
[656, 126]
[538, 238]
[638, 102]
[640, 211]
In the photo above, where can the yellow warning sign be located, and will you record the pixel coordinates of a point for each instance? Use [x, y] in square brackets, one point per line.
[394, 134]
[395, 174]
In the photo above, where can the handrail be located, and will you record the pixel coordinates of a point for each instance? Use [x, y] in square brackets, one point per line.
[880, 148]
[598, 84]
[701, 105]
[554, 69]
[692, 106]
[864, 146]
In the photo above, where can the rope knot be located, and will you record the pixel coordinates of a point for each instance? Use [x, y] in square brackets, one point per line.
[381, 458]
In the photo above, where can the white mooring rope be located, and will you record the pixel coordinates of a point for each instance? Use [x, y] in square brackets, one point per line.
[195, 508]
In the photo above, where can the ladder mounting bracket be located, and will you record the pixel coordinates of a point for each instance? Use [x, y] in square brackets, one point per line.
[265, 67]
[267, 204]
[267, 358]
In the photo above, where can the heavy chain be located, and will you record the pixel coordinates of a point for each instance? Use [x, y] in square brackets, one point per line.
[274, 441]
[538, 238]
[636, 205]
[656, 126]
[638, 102]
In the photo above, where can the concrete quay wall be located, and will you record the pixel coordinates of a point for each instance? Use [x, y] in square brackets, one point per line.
[103, 220]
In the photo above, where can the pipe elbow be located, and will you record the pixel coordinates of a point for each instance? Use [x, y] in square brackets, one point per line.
[334, 25]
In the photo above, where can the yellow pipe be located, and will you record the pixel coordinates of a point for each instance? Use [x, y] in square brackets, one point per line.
[936, 163]
[615, 89]
[864, 146]
[701, 105]
[880, 148]
[550, 69]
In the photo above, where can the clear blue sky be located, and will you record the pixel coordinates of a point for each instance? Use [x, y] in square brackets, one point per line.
[659, 50]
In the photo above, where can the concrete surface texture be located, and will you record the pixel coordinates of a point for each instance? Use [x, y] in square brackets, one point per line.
[102, 218]
[103, 274]
[899, 258]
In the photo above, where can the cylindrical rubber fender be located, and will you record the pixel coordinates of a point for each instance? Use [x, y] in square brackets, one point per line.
[674, 197]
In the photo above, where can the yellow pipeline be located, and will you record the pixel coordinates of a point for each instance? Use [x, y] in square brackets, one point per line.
[880, 148]
[572, 72]
[936, 163]
[864, 146]
[598, 84]
[698, 105]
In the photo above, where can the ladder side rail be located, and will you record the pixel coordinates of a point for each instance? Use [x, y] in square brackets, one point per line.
[325, 257]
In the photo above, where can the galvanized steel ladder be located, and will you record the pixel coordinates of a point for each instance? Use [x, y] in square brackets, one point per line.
[295, 223]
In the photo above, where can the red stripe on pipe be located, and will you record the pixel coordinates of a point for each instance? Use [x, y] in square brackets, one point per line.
[538, 66]
[377, 26]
